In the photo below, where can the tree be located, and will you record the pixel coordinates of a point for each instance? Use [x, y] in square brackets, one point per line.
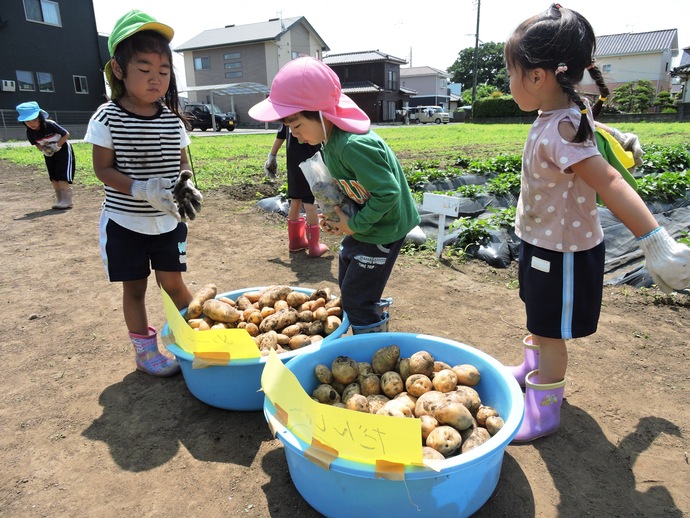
[482, 91]
[664, 101]
[634, 97]
[490, 67]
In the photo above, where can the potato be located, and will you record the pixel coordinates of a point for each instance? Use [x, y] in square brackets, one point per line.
[267, 311]
[251, 328]
[333, 302]
[270, 295]
[305, 316]
[326, 394]
[194, 310]
[349, 391]
[376, 401]
[467, 374]
[408, 399]
[334, 311]
[431, 454]
[323, 373]
[418, 384]
[280, 305]
[220, 311]
[455, 415]
[483, 412]
[472, 394]
[321, 314]
[428, 424]
[394, 408]
[479, 437]
[493, 424]
[364, 368]
[384, 359]
[315, 338]
[331, 324]
[444, 380]
[318, 303]
[422, 362]
[344, 369]
[243, 303]
[428, 402]
[403, 368]
[444, 439]
[253, 296]
[228, 301]
[220, 325]
[370, 384]
[321, 293]
[439, 366]
[296, 298]
[392, 384]
[269, 340]
[456, 396]
[278, 320]
[299, 341]
[358, 403]
[315, 328]
[194, 322]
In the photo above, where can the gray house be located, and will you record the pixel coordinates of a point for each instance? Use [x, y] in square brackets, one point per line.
[372, 80]
[430, 83]
[51, 54]
[227, 66]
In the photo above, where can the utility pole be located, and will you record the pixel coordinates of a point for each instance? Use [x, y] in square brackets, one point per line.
[476, 59]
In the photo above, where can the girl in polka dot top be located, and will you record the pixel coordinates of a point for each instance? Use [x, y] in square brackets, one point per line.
[561, 262]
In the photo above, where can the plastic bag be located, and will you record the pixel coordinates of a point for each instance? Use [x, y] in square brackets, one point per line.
[325, 189]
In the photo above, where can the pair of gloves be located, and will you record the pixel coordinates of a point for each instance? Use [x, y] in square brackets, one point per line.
[666, 260]
[271, 166]
[183, 201]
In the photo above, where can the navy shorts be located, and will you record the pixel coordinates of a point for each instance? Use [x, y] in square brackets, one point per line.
[562, 292]
[130, 256]
[61, 165]
[363, 271]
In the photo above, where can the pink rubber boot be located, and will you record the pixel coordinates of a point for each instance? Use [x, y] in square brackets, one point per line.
[296, 236]
[542, 409]
[530, 363]
[316, 248]
[149, 359]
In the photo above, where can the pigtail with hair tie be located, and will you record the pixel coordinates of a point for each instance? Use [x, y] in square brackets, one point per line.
[562, 68]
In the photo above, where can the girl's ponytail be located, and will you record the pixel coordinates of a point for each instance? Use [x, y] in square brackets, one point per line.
[596, 76]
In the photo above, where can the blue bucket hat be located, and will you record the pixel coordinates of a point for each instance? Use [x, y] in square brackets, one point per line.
[29, 111]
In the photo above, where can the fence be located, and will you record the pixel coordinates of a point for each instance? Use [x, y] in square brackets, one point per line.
[73, 121]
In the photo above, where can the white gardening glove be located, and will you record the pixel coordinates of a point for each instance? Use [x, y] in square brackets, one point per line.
[187, 197]
[271, 166]
[667, 261]
[158, 192]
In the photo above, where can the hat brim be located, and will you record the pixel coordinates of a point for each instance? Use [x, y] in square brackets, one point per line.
[346, 115]
[32, 115]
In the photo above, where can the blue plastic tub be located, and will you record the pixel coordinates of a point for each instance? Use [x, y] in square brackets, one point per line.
[237, 386]
[459, 489]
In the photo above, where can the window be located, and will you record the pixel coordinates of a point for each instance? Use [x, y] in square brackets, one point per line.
[392, 83]
[45, 82]
[606, 69]
[43, 11]
[232, 55]
[230, 75]
[80, 85]
[202, 63]
[25, 81]
[233, 65]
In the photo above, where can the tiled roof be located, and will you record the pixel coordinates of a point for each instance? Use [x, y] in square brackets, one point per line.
[637, 43]
[422, 71]
[239, 34]
[360, 87]
[367, 56]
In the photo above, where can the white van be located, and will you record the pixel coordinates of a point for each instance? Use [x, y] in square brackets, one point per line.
[426, 114]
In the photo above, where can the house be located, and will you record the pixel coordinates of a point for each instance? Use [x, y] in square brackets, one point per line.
[430, 83]
[623, 58]
[228, 66]
[372, 80]
[39, 42]
[682, 72]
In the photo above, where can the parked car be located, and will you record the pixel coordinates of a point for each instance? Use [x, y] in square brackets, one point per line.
[426, 114]
[199, 116]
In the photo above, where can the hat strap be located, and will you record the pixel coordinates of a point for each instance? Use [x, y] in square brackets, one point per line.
[323, 127]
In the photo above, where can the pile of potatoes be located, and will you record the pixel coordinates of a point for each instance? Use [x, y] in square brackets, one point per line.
[276, 317]
[453, 418]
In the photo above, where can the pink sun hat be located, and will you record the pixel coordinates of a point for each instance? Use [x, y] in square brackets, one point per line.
[308, 84]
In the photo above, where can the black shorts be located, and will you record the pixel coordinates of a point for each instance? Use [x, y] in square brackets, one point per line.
[130, 256]
[61, 165]
[562, 291]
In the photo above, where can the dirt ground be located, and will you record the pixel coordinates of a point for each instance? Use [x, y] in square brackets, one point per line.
[86, 435]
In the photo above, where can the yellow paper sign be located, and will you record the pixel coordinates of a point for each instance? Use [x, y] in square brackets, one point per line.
[356, 436]
[237, 343]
